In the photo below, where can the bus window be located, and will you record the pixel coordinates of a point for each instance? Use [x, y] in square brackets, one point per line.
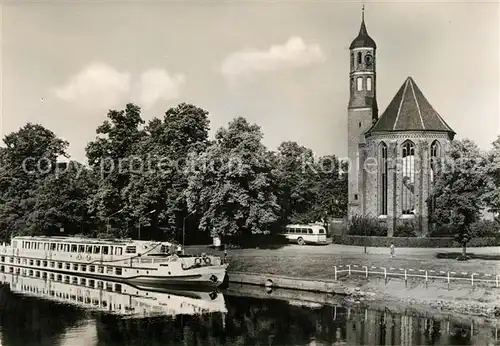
[321, 231]
[310, 231]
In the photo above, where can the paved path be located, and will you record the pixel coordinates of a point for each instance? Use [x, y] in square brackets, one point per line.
[337, 249]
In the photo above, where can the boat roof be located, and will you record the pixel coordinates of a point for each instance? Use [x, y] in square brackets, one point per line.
[83, 240]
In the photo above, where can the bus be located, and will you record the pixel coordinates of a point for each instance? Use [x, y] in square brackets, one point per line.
[305, 234]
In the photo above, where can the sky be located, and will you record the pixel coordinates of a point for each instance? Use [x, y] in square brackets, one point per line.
[281, 64]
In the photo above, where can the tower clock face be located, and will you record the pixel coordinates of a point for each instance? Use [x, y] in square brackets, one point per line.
[368, 59]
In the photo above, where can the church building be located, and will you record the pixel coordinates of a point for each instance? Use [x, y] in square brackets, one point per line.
[391, 156]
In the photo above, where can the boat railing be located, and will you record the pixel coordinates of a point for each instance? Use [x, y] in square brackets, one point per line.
[142, 260]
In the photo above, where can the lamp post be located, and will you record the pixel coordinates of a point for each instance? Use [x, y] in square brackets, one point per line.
[149, 212]
[109, 216]
[184, 229]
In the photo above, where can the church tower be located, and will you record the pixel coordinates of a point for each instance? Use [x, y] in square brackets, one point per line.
[362, 110]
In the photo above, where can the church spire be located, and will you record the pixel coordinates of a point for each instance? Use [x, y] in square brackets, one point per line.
[363, 39]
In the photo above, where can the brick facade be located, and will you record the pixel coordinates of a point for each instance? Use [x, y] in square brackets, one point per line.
[408, 122]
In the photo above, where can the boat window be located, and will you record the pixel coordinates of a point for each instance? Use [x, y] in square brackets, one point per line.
[321, 231]
[81, 248]
[118, 251]
[66, 247]
[73, 248]
[52, 246]
[89, 249]
[100, 270]
[310, 231]
[84, 268]
[109, 270]
[92, 269]
[118, 271]
[45, 246]
[104, 250]
[97, 249]
[130, 249]
[58, 247]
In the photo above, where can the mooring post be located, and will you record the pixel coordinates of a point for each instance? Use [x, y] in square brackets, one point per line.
[426, 277]
[385, 273]
[472, 279]
[335, 272]
[406, 275]
[366, 271]
[349, 269]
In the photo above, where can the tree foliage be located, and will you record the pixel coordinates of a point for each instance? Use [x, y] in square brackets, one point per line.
[459, 184]
[155, 176]
[492, 194]
[232, 185]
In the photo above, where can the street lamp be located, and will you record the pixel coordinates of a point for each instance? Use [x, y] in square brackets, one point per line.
[184, 229]
[149, 212]
[108, 217]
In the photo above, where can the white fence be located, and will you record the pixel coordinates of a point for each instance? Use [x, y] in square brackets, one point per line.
[416, 273]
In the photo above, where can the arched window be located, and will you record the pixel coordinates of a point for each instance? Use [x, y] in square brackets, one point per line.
[360, 83]
[369, 83]
[435, 155]
[360, 58]
[408, 186]
[352, 61]
[383, 164]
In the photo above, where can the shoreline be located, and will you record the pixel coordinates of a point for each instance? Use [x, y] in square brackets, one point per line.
[481, 303]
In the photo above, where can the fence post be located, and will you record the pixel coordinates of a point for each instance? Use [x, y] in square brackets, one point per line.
[472, 279]
[349, 269]
[366, 271]
[335, 267]
[406, 276]
[426, 276]
[385, 273]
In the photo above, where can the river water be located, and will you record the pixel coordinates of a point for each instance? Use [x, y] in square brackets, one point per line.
[44, 309]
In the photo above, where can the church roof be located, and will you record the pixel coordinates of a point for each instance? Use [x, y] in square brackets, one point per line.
[409, 110]
[363, 39]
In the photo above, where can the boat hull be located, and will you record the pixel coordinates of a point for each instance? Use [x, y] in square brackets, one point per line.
[213, 276]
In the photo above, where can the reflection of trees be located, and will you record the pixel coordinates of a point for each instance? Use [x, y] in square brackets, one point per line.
[31, 321]
[247, 322]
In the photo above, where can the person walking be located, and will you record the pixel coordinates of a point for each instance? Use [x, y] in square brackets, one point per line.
[393, 254]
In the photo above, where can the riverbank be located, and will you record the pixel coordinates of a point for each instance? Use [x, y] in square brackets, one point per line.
[434, 298]
[463, 296]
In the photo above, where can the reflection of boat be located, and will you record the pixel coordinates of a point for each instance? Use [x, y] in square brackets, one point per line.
[141, 262]
[112, 297]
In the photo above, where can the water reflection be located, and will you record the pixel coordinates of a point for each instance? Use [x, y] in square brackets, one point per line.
[37, 309]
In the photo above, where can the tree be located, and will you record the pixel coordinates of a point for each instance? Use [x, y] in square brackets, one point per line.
[160, 186]
[331, 194]
[29, 157]
[297, 181]
[492, 194]
[458, 187]
[232, 184]
[62, 201]
[107, 156]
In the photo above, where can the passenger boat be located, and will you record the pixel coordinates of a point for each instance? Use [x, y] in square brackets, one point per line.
[116, 298]
[138, 262]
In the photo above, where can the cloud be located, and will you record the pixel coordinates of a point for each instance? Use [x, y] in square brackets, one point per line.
[156, 84]
[98, 85]
[294, 53]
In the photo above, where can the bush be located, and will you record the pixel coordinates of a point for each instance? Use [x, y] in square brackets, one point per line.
[365, 225]
[485, 228]
[481, 229]
[406, 229]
